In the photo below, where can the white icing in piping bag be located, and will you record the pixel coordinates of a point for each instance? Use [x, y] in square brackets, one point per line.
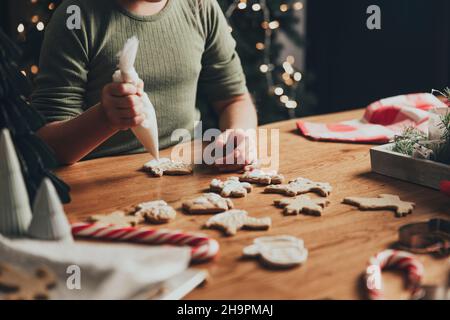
[147, 132]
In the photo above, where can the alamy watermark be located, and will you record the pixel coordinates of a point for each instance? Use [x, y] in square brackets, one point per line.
[232, 147]
[374, 19]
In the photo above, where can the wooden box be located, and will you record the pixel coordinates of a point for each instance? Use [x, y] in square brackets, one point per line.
[424, 172]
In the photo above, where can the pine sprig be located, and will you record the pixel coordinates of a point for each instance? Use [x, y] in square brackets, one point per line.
[405, 143]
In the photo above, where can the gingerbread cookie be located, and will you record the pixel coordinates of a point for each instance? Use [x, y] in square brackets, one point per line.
[259, 176]
[155, 212]
[278, 251]
[165, 166]
[383, 202]
[300, 186]
[208, 203]
[22, 285]
[233, 220]
[116, 218]
[231, 187]
[302, 204]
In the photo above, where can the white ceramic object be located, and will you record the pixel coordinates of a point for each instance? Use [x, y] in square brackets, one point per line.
[15, 211]
[147, 132]
[49, 220]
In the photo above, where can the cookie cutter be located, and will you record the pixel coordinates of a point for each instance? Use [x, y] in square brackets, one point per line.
[426, 237]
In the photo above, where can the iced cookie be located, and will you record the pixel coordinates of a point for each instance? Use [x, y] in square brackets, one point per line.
[165, 166]
[231, 187]
[259, 176]
[208, 203]
[278, 251]
[232, 221]
[116, 218]
[22, 285]
[383, 202]
[300, 186]
[302, 204]
[155, 212]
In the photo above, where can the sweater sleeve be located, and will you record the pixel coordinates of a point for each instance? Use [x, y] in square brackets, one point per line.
[61, 83]
[222, 76]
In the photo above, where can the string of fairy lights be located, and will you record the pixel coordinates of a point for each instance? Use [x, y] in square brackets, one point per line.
[36, 22]
[290, 76]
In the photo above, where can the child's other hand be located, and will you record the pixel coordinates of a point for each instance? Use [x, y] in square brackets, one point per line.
[123, 105]
[244, 150]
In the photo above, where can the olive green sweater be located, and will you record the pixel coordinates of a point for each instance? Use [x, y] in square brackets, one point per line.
[185, 50]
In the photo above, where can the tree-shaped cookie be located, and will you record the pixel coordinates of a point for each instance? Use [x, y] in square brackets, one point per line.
[259, 176]
[25, 286]
[116, 218]
[165, 166]
[232, 221]
[231, 187]
[302, 204]
[155, 212]
[300, 186]
[382, 202]
[208, 203]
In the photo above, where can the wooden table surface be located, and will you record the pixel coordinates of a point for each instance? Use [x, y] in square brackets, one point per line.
[339, 243]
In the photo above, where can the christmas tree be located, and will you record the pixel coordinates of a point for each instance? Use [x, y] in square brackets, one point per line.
[273, 80]
[36, 159]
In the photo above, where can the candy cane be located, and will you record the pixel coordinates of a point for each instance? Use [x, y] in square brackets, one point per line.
[203, 248]
[400, 260]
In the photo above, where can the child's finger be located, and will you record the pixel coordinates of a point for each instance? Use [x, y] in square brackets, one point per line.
[121, 89]
[126, 102]
[140, 87]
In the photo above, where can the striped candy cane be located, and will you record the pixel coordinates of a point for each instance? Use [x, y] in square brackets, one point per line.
[393, 259]
[203, 248]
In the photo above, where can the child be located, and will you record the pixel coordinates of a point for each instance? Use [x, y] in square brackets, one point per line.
[185, 49]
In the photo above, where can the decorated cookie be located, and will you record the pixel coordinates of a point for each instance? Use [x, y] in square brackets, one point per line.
[300, 186]
[155, 212]
[302, 204]
[208, 203]
[231, 187]
[22, 285]
[383, 202]
[117, 218]
[233, 220]
[259, 176]
[165, 166]
[279, 251]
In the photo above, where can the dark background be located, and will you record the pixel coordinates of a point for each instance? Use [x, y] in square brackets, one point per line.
[350, 66]
[354, 66]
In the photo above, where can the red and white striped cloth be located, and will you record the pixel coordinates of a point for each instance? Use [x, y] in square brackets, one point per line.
[381, 122]
[203, 248]
[398, 260]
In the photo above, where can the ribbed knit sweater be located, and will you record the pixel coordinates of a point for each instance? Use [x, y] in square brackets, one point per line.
[186, 49]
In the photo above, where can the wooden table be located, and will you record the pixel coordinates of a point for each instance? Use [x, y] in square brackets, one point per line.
[339, 243]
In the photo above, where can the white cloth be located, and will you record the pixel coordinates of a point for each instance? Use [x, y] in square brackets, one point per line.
[108, 271]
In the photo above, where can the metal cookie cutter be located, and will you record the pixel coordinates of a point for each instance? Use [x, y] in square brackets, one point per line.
[426, 237]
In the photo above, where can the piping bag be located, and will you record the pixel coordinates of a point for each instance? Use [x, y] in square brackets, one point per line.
[147, 132]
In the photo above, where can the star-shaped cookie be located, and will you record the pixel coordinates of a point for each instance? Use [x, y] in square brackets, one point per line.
[300, 186]
[231, 187]
[233, 220]
[165, 166]
[262, 177]
[302, 204]
[382, 202]
[208, 203]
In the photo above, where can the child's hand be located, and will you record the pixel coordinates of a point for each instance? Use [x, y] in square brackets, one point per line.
[123, 105]
[244, 150]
